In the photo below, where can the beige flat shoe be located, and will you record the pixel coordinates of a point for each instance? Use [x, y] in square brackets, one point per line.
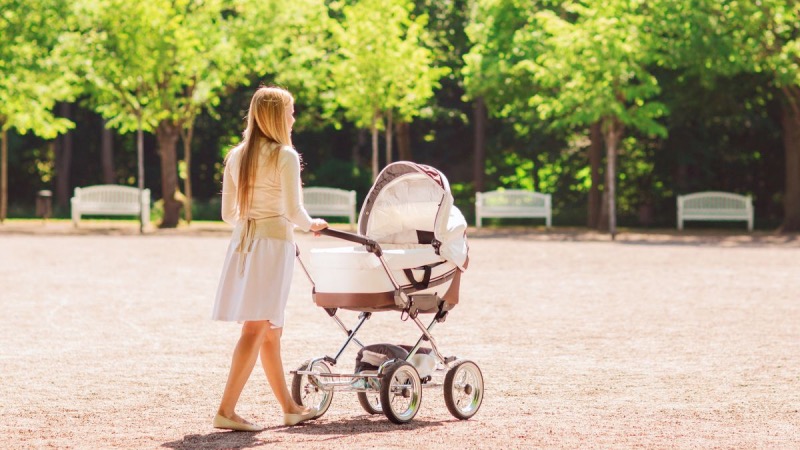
[224, 423]
[293, 419]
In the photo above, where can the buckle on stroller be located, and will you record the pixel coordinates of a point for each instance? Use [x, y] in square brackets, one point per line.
[420, 302]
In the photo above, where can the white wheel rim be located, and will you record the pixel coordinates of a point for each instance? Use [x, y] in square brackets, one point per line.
[374, 400]
[467, 389]
[404, 391]
[311, 394]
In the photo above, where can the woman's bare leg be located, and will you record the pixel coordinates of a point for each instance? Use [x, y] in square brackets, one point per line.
[243, 361]
[273, 368]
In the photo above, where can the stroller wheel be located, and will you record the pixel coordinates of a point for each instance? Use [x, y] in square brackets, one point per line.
[463, 389]
[370, 401]
[401, 392]
[307, 390]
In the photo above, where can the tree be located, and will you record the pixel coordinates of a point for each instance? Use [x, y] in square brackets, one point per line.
[297, 54]
[34, 75]
[758, 37]
[121, 64]
[491, 28]
[382, 69]
[154, 66]
[593, 69]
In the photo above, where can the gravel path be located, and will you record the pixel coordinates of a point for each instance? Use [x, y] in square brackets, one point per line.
[653, 341]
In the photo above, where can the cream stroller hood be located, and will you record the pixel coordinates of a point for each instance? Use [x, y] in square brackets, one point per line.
[411, 203]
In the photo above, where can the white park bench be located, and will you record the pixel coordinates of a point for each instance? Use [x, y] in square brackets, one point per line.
[513, 203]
[330, 202]
[110, 200]
[714, 206]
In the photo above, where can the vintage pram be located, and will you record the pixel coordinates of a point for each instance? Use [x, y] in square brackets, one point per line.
[412, 250]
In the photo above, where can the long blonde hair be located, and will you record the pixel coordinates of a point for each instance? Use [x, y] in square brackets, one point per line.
[267, 124]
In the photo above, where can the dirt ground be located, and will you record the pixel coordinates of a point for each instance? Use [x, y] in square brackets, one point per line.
[657, 340]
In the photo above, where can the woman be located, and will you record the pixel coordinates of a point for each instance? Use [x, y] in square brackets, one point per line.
[261, 196]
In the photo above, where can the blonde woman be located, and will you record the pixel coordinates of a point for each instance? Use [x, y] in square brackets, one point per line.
[261, 196]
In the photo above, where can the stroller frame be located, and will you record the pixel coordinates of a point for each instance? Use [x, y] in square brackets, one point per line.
[395, 389]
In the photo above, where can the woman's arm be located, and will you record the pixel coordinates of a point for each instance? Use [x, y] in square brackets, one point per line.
[229, 210]
[292, 190]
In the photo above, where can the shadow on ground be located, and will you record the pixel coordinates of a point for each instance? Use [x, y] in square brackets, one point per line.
[219, 440]
[359, 425]
[271, 435]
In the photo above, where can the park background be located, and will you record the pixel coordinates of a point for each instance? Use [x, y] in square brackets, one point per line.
[658, 339]
[687, 95]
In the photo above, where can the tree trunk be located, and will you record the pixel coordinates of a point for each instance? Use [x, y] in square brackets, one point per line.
[167, 138]
[612, 133]
[479, 144]
[187, 183]
[63, 160]
[3, 174]
[140, 165]
[389, 129]
[790, 120]
[355, 151]
[595, 159]
[374, 129]
[602, 220]
[107, 155]
[403, 131]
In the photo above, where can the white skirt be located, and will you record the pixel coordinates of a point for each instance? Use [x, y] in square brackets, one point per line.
[262, 290]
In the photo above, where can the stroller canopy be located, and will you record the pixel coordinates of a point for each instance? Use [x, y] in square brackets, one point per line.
[411, 204]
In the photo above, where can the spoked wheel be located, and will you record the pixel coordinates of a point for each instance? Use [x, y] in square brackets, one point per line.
[370, 401]
[401, 392]
[307, 390]
[463, 389]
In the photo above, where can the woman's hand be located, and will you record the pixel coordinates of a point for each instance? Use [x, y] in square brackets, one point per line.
[317, 225]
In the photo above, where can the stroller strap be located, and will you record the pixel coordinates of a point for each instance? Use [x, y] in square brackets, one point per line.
[426, 277]
[276, 227]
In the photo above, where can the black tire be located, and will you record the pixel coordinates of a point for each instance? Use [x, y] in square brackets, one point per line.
[401, 392]
[371, 402]
[306, 393]
[463, 389]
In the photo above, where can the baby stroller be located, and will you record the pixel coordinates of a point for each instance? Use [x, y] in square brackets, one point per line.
[412, 250]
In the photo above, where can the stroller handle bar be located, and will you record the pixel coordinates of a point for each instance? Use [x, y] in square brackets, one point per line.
[352, 237]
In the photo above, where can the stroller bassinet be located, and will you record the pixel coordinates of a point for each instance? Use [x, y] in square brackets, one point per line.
[409, 212]
[413, 248]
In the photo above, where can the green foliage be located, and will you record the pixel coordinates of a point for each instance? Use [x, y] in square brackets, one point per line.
[464, 199]
[340, 174]
[382, 62]
[157, 60]
[492, 28]
[546, 69]
[35, 69]
[592, 67]
[291, 43]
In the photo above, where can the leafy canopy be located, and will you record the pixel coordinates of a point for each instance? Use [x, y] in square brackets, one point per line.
[592, 67]
[35, 69]
[382, 63]
[158, 60]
